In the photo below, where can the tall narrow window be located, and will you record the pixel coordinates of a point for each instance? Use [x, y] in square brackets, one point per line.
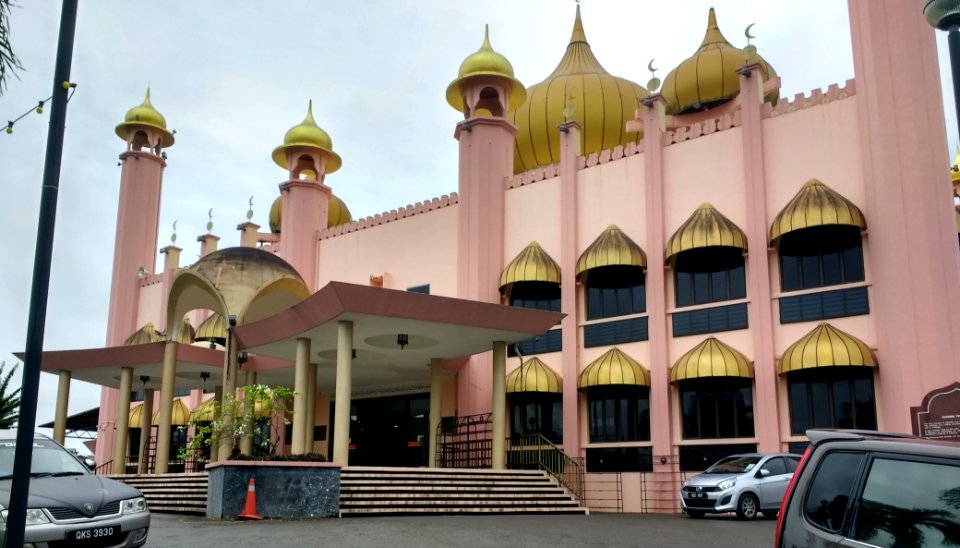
[821, 256]
[717, 407]
[615, 291]
[710, 274]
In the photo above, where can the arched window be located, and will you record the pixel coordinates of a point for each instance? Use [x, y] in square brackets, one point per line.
[537, 413]
[619, 413]
[710, 274]
[611, 269]
[539, 295]
[832, 397]
[717, 407]
[821, 256]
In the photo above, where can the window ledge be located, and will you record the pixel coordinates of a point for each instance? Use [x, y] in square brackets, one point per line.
[716, 304]
[821, 289]
[610, 319]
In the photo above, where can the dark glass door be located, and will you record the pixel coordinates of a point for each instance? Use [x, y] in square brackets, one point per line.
[389, 431]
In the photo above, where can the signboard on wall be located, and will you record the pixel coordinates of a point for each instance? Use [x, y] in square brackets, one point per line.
[938, 417]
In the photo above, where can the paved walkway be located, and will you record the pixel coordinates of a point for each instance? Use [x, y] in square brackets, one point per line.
[673, 531]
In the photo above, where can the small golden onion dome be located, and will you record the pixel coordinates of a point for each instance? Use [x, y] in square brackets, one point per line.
[711, 358]
[179, 414]
[955, 169]
[307, 134]
[816, 204]
[205, 412]
[145, 115]
[135, 416]
[145, 335]
[213, 329]
[534, 376]
[826, 346]
[579, 90]
[531, 265]
[184, 333]
[707, 227]
[485, 62]
[611, 248]
[337, 213]
[614, 368]
[709, 76]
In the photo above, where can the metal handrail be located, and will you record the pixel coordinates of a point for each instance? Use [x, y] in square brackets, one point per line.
[535, 450]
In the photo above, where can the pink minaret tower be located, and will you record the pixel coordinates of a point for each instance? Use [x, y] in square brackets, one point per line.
[485, 91]
[135, 249]
[307, 154]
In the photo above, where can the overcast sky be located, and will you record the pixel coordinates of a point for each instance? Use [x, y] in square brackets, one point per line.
[232, 76]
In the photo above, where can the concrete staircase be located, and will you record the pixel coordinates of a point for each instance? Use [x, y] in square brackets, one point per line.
[171, 493]
[367, 492]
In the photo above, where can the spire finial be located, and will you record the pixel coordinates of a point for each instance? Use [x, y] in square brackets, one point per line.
[250, 211]
[712, 20]
[486, 37]
[173, 237]
[309, 118]
[210, 220]
[578, 34]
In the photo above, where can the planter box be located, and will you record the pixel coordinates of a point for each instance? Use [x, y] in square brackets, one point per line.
[288, 490]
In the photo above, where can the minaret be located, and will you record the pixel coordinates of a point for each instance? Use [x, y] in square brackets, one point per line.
[145, 132]
[485, 91]
[307, 154]
[135, 247]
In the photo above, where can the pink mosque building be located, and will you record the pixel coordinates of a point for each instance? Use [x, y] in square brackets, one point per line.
[648, 278]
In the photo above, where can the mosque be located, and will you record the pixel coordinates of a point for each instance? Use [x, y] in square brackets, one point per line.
[648, 278]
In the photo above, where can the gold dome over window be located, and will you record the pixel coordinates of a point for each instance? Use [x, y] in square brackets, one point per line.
[826, 346]
[816, 204]
[709, 76]
[308, 135]
[707, 227]
[145, 115]
[614, 368]
[213, 329]
[184, 332]
[485, 62]
[531, 265]
[534, 376]
[955, 169]
[179, 416]
[580, 90]
[136, 413]
[205, 412]
[611, 248]
[145, 335]
[711, 358]
[337, 213]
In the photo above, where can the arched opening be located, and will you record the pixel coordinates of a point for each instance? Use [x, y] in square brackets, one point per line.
[489, 102]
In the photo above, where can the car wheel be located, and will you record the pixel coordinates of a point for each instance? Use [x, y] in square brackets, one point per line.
[770, 514]
[747, 506]
[695, 514]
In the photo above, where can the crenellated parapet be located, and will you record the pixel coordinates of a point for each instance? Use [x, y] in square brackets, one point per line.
[707, 127]
[531, 176]
[391, 216]
[816, 97]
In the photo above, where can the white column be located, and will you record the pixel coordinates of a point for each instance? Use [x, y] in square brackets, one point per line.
[341, 428]
[166, 405]
[300, 377]
[499, 416]
[122, 422]
[311, 416]
[63, 398]
[436, 396]
[246, 444]
[146, 429]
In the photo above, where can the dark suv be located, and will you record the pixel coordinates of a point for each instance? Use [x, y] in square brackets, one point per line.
[856, 488]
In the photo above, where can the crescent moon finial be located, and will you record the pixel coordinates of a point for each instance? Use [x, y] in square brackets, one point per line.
[650, 66]
[210, 220]
[250, 211]
[173, 237]
[747, 32]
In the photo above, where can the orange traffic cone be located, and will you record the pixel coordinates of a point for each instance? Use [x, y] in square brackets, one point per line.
[250, 506]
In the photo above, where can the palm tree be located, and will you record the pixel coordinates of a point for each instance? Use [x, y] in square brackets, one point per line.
[9, 64]
[9, 403]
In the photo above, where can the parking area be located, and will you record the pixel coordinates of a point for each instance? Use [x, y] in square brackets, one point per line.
[474, 531]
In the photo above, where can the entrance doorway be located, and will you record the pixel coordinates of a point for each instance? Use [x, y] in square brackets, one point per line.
[389, 431]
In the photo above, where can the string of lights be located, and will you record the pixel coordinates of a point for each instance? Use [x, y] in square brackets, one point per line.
[39, 108]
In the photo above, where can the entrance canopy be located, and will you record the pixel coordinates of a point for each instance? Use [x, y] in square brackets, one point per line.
[395, 333]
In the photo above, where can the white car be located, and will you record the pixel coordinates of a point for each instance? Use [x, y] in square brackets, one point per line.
[68, 505]
[745, 484]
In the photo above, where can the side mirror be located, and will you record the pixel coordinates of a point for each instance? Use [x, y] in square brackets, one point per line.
[763, 473]
[90, 462]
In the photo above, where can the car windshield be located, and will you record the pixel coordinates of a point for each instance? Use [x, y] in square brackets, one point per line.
[734, 465]
[48, 459]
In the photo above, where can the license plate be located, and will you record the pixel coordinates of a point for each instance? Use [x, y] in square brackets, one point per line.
[94, 536]
[698, 495]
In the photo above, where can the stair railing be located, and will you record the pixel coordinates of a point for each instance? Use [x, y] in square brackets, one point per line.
[534, 450]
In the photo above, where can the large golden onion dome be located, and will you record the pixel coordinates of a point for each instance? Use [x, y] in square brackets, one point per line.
[337, 213]
[580, 90]
[307, 134]
[145, 115]
[709, 76]
[485, 62]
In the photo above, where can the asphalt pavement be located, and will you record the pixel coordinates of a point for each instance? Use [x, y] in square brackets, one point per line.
[597, 529]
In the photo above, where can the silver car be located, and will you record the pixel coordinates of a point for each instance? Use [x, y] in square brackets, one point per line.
[745, 484]
[67, 504]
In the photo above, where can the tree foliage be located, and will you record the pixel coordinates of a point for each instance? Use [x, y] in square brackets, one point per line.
[9, 63]
[9, 403]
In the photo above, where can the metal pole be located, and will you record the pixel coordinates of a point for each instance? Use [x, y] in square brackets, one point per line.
[953, 40]
[19, 489]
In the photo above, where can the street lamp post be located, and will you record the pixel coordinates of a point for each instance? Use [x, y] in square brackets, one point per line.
[945, 15]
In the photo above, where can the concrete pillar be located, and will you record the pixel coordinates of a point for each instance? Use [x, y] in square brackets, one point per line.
[436, 396]
[166, 405]
[214, 445]
[246, 443]
[300, 376]
[311, 407]
[229, 398]
[499, 417]
[63, 399]
[341, 428]
[123, 421]
[146, 429]
[570, 149]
